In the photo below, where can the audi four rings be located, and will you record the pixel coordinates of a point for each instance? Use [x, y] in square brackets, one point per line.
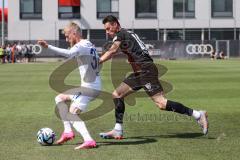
[199, 49]
[35, 48]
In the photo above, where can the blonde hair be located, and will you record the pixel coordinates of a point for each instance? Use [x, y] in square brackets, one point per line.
[72, 26]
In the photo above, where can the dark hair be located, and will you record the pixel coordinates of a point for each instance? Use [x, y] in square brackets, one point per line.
[110, 19]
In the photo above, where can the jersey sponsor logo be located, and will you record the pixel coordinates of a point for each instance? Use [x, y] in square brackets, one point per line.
[199, 49]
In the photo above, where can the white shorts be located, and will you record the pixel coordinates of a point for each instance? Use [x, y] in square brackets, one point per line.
[82, 96]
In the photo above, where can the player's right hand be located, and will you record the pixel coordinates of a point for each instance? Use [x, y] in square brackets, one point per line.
[43, 43]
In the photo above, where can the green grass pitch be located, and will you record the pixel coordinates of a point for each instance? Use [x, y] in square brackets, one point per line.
[27, 104]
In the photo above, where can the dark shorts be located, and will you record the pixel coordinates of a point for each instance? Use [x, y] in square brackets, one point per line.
[147, 79]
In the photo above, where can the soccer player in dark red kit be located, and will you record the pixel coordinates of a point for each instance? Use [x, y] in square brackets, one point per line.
[145, 75]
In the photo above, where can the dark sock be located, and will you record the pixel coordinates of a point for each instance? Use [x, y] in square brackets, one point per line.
[119, 109]
[178, 107]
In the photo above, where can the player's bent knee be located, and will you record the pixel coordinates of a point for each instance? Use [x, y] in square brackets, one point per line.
[74, 114]
[77, 109]
[161, 104]
[160, 101]
[74, 110]
[116, 95]
[58, 99]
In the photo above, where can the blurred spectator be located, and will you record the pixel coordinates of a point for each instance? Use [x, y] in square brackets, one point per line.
[13, 56]
[8, 53]
[24, 52]
[18, 52]
[30, 54]
[2, 54]
[213, 55]
[221, 55]
[13, 53]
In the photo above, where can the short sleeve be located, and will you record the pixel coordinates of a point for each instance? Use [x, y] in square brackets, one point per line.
[119, 37]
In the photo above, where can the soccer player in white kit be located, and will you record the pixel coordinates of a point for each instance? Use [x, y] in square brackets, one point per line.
[88, 64]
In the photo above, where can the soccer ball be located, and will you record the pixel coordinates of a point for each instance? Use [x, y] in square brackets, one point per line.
[45, 136]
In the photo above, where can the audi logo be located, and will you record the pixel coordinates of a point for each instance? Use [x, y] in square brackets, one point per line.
[35, 49]
[199, 49]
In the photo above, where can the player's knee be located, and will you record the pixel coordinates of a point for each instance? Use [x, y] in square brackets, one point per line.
[59, 98]
[77, 109]
[161, 104]
[73, 110]
[160, 101]
[73, 115]
[116, 95]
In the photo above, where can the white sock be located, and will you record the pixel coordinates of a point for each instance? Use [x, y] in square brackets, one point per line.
[118, 126]
[67, 127]
[196, 114]
[82, 129]
[62, 112]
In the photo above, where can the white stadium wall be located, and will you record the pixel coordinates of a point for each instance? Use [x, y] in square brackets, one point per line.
[49, 25]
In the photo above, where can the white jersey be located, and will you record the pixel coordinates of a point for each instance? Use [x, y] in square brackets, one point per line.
[88, 62]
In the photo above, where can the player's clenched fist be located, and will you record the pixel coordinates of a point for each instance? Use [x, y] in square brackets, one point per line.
[43, 43]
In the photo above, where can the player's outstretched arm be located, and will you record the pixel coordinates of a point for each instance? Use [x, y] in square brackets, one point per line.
[112, 50]
[60, 51]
